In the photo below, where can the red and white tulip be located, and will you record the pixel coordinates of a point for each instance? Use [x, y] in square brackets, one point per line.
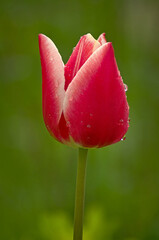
[84, 101]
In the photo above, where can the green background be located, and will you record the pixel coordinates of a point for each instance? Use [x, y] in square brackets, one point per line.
[37, 174]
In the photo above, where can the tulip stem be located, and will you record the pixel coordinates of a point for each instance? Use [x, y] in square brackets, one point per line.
[80, 194]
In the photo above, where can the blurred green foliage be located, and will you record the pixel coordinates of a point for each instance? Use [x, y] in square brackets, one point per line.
[37, 174]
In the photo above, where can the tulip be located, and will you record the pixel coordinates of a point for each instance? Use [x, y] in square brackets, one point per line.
[84, 101]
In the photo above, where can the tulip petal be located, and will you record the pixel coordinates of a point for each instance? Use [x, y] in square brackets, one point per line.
[102, 40]
[85, 47]
[52, 84]
[95, 103]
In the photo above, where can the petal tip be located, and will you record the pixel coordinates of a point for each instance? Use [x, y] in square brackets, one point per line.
[40, 36]
[102, 40]
[43, 38]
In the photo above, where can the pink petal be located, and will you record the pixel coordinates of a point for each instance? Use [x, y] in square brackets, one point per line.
[52, 84]
[95, 103]
[102, 40]
[85, 47]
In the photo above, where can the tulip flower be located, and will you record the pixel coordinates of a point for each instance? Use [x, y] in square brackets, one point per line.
[84, 102]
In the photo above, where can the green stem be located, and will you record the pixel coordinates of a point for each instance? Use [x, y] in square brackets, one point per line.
[80, 194]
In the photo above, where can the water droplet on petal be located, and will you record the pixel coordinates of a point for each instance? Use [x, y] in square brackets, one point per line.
[88, 126]
[126, 87]
[91, 115]
[123, 138]
[121, 122]
[57, 84]
[81, 122]
[68, 124]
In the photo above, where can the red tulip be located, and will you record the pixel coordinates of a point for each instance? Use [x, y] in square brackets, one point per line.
[84, 101]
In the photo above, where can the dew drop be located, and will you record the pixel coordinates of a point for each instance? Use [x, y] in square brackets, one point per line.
[126, 87]
[88, 126]
[121, 122]
[91, 115]
[123, 139]
[56, 84]
[68, 124]
[47, 126]
[81, 122]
